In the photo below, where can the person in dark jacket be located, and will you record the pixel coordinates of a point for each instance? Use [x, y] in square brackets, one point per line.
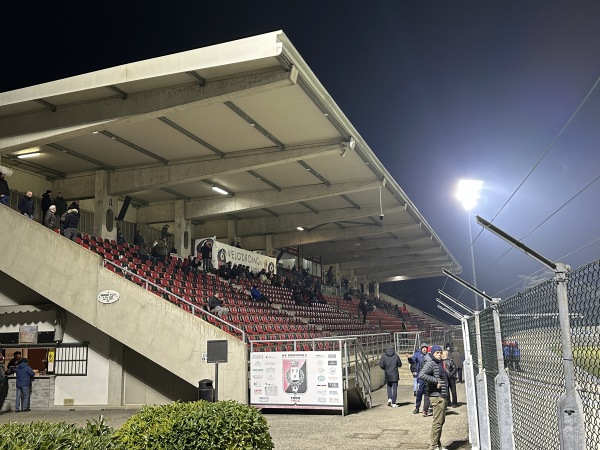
[451, 373]
[390, 362]
[71, 222]
[23, 382]
[4, 189]
[26, 205]
[46, 202]
[138, 239]
[418, 360]
[215, 305]
[61, 207]
[436, 380]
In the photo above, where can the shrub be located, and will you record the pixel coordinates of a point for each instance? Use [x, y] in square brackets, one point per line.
[96, 435]
[197, 425]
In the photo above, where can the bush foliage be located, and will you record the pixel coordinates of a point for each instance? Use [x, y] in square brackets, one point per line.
[198, 425]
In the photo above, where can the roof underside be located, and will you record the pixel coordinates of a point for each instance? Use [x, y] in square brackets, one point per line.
[248, 116]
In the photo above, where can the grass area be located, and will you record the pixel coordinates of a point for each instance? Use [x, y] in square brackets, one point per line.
[588, 359]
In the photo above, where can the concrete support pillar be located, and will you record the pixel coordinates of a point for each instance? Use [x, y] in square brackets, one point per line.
[115, 373]
[269, 245]
[104, 208]
[182, 232]
[231, 231]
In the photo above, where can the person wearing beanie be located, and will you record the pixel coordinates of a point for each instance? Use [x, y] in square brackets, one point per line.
[417, 361]
[23, 381]
[390, 362]
[436, 381]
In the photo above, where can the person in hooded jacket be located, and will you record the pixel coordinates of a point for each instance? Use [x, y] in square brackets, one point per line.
[418, 360]
[23, 383]
[71, 222]
[436, 380]
[390, 362]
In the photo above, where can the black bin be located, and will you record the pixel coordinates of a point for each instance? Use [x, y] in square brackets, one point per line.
[206, 390]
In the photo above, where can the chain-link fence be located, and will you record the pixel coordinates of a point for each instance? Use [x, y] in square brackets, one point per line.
[532, 355]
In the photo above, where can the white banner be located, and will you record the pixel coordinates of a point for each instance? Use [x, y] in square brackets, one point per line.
[296, 379]
[223, 253]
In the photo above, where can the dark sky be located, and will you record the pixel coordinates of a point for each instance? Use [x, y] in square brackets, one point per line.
[440, 90]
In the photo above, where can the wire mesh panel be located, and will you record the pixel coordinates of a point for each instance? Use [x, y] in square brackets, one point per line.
[473, 345]
[533, 358]
[490, 363]
[584, 314]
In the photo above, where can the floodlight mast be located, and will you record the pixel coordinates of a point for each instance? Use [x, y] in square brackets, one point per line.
[468, 286]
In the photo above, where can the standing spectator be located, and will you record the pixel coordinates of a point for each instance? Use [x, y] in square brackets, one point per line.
[390, 362]
[50, 218]
[138, 239]
[160, 250]
[516, 356]
[419, 359]
[206, 252]
[216, 306]
[4, 190]
[120, 238]
[457, 359]
[434, 375]
[26, 205]
[450, 369]
[364, 308]
[46, 202]
[61, 207]
[164, 232]
[23, 382]
[71, 222]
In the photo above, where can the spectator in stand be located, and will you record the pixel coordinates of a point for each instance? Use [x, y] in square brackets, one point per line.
[450, 369]
[390, 363]
[258, 296]
[436, 380]
[138, 239]
[26, 206]
[225, 271]
[50, 218]
[419, 358]
[61, 208]
[120, 238]
[144, 255]
[237, 244]
[345, 284]
[71, 222]
[164, 232]
[364, 308]
[403, 327]
[405, 310]
[347, 296]
[329, 276]
[206, 253]
[46, 202]
[215, 305]
[320, 297]
[4, 189]
[160, 250]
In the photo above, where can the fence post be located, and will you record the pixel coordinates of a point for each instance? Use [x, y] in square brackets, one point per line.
[482, 395]
[470, 388]
[503, 400]
[570, 410]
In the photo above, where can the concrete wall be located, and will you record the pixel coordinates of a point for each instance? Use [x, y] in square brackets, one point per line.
[71, 277]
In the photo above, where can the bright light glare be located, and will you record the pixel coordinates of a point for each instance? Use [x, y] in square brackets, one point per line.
[468, 193]
[219, 190]
[28, 155]
[299, 228]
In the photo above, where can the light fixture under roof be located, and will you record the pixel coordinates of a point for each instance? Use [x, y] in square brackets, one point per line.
[299, 228]
[220, 190]
[28, 155]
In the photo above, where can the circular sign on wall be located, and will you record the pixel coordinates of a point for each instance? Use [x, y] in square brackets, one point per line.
[108, 296]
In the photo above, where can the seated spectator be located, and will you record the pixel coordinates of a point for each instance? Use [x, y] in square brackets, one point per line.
[405, 310]
[225, 271]
[258, 296]
[215, 305]
[144, 255]
[320, 298]
[347, 296]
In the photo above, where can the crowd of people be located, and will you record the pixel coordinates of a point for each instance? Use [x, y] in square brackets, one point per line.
[436, 371]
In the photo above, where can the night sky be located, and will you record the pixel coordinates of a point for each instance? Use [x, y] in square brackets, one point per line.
[440, 90]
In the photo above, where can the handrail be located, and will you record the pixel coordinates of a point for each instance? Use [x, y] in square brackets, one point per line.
[160, 288]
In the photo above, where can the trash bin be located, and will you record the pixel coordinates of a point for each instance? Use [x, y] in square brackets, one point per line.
[206, 390]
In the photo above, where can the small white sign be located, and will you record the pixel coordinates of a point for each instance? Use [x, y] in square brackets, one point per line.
[108, 296]
[204, 357]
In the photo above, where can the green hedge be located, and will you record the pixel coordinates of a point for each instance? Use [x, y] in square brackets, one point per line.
[198, 425]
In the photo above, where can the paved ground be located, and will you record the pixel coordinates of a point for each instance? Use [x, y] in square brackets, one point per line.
[380, 427]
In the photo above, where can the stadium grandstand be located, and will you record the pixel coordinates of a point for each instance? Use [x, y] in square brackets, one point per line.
[237, 144]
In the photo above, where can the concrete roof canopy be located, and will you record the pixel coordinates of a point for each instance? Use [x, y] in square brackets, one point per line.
[248, 116]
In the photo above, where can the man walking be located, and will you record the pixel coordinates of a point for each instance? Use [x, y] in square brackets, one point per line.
[390, 362]
[26, 205]
[419, 360]
[434, 375]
